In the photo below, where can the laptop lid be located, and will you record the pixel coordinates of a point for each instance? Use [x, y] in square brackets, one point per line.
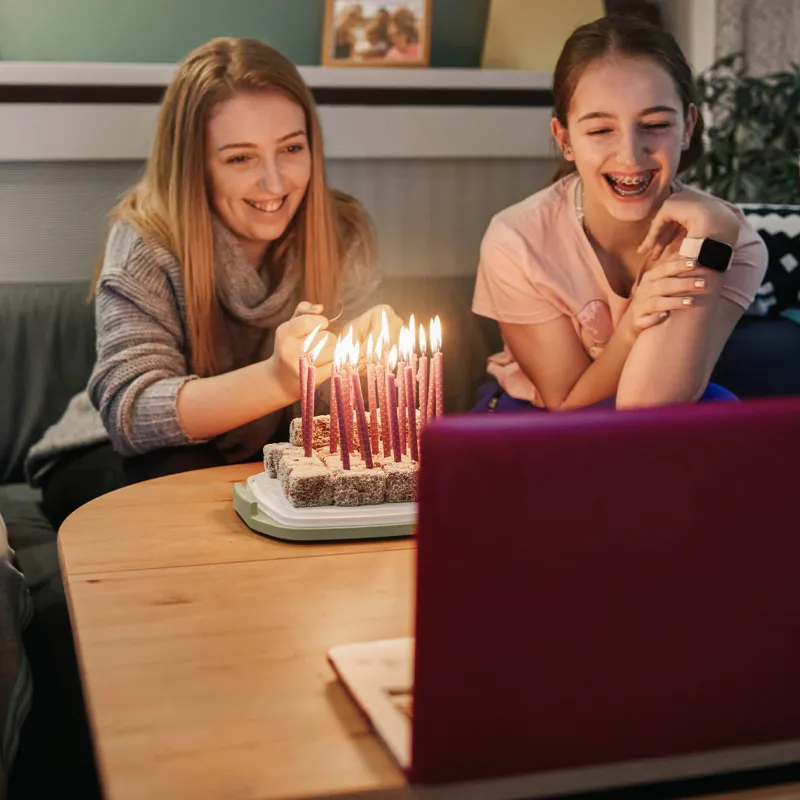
[600, 587]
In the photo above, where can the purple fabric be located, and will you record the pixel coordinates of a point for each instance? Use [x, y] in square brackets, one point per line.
[492, 398]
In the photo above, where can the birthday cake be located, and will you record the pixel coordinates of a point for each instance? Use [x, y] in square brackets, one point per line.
[357, 456]
[322, 480]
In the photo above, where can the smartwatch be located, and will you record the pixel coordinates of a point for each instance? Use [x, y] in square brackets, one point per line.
[708, 253]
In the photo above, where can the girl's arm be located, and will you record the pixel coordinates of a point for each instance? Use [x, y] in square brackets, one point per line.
[673, 362]
[552, 356]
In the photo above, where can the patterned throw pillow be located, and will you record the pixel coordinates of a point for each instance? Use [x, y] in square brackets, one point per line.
[779, 227]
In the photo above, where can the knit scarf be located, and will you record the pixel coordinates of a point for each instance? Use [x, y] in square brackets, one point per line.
[245, 293]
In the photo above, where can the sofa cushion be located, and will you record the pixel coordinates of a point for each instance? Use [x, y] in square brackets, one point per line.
[779, 227]
[33, 541]
[46, 355]
[761, 359]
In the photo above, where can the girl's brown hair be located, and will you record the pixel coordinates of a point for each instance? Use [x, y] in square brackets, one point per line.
[170, 205]
[632, 37]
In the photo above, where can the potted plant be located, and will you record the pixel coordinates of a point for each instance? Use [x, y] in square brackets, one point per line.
[753, 134]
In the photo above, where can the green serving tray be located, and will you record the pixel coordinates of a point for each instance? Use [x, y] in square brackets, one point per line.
[255, 518]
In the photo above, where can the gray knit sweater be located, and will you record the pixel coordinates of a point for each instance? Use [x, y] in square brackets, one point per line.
[140, 314]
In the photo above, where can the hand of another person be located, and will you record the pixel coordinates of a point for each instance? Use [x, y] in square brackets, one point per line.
[699, 216]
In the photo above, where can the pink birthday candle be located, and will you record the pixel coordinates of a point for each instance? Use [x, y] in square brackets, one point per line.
[432, 376]
[438, 362]
[361, 417]
[372, 397]
[307, 415]
[390, 390]
[337, 388]
[411, 414]
[412, 358]
[308, 426]
[422, 377]
[334, 432]
[401, 405]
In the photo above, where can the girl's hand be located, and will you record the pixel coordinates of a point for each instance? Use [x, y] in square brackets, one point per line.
[284, 364]
[700, 216]
[669, 286]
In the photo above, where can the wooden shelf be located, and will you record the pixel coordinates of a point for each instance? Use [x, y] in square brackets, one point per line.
[105, 111]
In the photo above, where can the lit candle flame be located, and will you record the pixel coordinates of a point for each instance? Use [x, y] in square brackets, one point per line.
[355, 353]
[337, 354]
[436, 335]
[379, 348]
[310, 338]
[412, 334]
[370, 347]
[314, 354]
[403, 343]
[393, 357]
[384, 327]
[422, 341]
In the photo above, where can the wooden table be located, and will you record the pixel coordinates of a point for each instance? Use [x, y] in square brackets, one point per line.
[202, 647]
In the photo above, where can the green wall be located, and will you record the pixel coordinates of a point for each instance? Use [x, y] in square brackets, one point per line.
[165, 30]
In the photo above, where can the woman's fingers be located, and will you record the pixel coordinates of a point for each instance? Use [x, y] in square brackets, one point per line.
[307, 308]
[303, 325]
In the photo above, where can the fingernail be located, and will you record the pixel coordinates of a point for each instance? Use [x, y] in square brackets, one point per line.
[689, 264]
[699, 283]
[688, 301]
[663, 315]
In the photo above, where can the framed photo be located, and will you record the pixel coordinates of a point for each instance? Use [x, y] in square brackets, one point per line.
[377, 33]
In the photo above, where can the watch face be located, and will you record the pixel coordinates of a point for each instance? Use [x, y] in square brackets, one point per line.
[715, 255]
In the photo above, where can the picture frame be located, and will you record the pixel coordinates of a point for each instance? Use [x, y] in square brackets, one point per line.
[529, 36]
[377, 33]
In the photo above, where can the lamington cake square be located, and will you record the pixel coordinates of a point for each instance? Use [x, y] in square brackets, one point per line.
[359, 487]
[273, 453]
[320, 431]
[334, 462]
[401, 481]
[289, 461]
[308, 486]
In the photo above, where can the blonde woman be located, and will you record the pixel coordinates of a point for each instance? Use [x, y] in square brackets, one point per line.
[221, 260]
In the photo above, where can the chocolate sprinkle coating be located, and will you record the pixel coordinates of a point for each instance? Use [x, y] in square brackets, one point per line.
[308, 486]
[363, 487]
[401, 482]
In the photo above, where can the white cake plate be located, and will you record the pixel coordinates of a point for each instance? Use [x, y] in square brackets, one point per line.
[261, 504]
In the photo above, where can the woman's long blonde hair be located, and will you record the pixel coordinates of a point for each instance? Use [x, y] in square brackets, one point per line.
[170, 207]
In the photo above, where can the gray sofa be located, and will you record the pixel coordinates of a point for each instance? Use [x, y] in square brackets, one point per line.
[46, 354]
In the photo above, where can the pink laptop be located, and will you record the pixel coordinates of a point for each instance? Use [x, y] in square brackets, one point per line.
[603, 599]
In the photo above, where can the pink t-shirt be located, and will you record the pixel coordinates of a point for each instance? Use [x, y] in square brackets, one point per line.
[536, 264]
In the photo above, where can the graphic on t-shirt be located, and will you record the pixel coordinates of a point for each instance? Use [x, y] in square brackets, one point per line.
[596, 326]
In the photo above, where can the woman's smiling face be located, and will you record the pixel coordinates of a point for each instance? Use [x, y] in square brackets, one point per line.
[258, 164]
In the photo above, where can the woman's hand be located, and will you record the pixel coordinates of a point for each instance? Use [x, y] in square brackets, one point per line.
[669, 286]
[284, 364]
[700, 216]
